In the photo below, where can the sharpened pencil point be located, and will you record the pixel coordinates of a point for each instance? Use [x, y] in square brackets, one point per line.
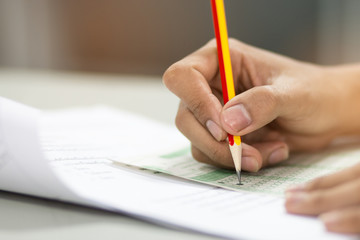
[236, 151]
[238, 173]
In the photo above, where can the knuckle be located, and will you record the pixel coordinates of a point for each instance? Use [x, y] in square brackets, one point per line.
[196, 106]
[198, 109]
[170, 75]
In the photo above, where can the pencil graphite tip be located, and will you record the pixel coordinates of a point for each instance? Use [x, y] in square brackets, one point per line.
[238, 173]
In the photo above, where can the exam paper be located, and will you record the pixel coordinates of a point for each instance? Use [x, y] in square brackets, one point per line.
[82, 144]
[272, 180]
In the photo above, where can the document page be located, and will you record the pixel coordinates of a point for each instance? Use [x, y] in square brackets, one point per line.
[23, 168]
[273, 180]
[81, 146]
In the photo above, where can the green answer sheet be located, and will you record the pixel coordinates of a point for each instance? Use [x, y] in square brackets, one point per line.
[271, 180]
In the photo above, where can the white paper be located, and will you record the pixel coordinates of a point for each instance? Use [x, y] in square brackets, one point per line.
[22, 165]
[78, 145]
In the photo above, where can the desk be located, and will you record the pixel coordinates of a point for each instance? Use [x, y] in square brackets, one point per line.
[23, 217]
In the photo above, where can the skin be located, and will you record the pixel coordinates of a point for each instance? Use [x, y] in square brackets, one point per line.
[281, 105]
[334, 198]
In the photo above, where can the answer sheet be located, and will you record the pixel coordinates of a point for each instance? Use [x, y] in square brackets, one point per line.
[82, 145]
[273, 180]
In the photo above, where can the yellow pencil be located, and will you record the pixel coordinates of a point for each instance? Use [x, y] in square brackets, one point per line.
[227, 81]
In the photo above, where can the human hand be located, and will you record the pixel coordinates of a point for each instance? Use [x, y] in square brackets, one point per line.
[335, 198]
[282, 105]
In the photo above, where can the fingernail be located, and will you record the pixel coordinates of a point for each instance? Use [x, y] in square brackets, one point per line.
[295, 199]
[250, 164]
[330, 219]
[237, 117]
[296, 188]
[214, 129]
[278, 155]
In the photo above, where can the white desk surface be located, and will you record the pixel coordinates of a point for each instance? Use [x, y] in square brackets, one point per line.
[23, 217]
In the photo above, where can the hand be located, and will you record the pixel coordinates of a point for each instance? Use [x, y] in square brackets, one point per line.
[282, 105]
[336, 198]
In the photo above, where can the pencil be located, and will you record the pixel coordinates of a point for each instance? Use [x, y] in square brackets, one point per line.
[226, 74]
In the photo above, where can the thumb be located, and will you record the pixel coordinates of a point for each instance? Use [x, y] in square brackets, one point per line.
[251, 110]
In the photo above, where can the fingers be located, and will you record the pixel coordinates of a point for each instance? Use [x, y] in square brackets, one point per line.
[323, 200]
[346, 220]
[207, 150]
[189, 80]
[335, 197]
[202, 141]
[253, 159]
[201, 157]
[251, 110]
[272, 152]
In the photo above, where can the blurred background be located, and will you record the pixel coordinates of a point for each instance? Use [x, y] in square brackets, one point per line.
[146, 36]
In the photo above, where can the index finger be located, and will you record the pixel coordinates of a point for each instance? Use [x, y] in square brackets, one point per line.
[189, 79]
